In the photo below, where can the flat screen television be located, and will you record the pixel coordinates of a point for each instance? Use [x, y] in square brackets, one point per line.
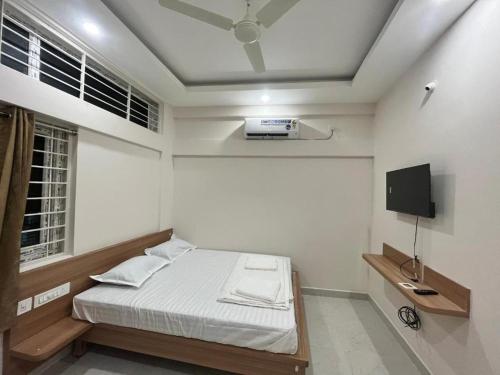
[408, 191]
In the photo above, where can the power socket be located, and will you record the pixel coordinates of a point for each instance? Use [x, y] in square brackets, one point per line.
[52, 294]
[24, 306]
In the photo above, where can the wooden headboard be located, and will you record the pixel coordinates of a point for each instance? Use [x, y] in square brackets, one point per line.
[75, 270]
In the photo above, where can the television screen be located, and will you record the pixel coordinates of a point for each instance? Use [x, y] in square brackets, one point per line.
[409, 191]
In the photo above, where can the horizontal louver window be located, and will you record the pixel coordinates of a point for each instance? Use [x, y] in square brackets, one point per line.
[33, 50]
[15, 46]
[143, 111]
[30, 53]
[105, 91]
[60, 70]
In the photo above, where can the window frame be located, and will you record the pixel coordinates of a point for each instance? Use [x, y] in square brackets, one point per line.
[69, 216]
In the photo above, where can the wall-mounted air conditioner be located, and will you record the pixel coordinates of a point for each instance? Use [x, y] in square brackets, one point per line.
[271, 128]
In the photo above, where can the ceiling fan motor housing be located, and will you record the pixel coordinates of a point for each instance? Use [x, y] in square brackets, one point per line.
[247, 31]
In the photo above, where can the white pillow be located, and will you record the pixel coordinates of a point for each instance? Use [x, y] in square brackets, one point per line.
[133, 272]
[171, 249]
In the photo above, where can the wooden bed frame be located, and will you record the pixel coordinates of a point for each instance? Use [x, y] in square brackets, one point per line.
[42, 332]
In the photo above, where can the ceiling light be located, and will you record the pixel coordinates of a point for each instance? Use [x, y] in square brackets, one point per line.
[265, 98]
[91, 28]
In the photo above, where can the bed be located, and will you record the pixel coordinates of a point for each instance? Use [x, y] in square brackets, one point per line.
[37, 335]
[181, 300]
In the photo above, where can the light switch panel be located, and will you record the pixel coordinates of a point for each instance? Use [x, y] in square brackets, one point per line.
[52, 294]
[24, 306]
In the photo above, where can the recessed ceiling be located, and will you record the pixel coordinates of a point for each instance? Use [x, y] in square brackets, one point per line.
[314, 40]
[413, 26]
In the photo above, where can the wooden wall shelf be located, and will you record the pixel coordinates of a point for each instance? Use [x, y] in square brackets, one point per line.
[453, 299]
[50, 340]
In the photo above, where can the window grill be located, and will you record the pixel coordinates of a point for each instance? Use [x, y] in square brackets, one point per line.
[105, 90]
[45, 220]
[143, 111]
[31, 53]
[32, 50]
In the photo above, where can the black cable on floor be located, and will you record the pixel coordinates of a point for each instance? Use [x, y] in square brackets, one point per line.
[408, 315]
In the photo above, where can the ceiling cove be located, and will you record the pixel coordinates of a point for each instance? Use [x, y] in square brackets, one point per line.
[326, 42]
[412, 27]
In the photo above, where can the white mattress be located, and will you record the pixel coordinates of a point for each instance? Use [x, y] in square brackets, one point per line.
[181, 300]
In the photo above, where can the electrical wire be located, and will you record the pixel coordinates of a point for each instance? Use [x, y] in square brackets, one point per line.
[415, 240]
[414, 277]
[402, 271]
[408, 315]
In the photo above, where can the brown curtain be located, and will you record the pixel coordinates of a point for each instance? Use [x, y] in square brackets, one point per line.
[16, 148]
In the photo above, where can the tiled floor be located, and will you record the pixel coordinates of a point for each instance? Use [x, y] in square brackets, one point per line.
[347, 337]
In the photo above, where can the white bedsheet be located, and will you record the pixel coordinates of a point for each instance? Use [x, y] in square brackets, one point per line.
[181, 300]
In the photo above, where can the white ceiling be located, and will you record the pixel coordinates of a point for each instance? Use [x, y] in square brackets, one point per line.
[412, 28]
[316, 39]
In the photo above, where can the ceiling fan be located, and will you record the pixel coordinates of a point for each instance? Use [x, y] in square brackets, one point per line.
[247, 30]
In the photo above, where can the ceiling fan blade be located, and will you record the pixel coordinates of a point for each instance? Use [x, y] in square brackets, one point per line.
[254, 54]
[198, 13]
[274, 10]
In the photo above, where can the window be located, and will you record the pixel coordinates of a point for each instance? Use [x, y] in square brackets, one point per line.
[28, 51]
[15, 46]
[105, 90]
[58, 68]
[143, 111]
[47, 215]
[48, 57]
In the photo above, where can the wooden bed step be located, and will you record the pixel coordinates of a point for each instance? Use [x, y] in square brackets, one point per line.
[50, 340]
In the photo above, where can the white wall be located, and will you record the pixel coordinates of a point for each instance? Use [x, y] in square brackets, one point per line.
[316, 211]
[26, 92]
[124, 173]
[215, 131]
[117, 191]
[122, 190]
[457, 130]
[310, 200]
[167, 170]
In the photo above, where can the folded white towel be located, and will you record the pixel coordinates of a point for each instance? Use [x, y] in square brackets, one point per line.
[283, 275]
[261, 262]
[257, 289]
